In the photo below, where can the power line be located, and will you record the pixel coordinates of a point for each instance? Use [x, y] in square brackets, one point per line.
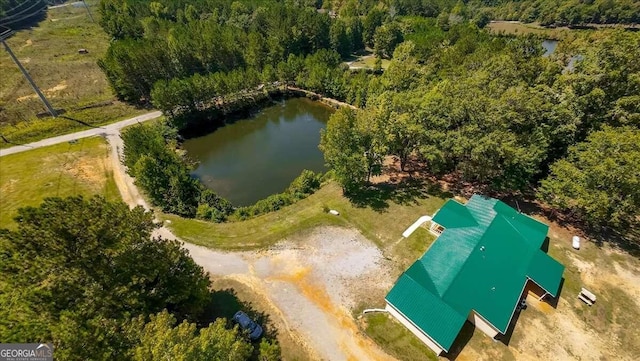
[23, 11]
[88, 12]
[5, 35]
[17, 6]
[24, 17]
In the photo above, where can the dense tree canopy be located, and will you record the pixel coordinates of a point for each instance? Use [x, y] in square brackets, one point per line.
[77, 271]
[162, 339]
[485, 109]
[547, 12]
[599, 181]
[164, 39]
[492, 111]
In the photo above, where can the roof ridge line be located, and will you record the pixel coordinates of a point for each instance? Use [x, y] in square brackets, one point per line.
[463, 264]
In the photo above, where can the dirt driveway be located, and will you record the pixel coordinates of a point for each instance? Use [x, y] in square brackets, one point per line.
[313, 280]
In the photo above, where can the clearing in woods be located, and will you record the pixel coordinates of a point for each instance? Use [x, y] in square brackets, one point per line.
[70, 80]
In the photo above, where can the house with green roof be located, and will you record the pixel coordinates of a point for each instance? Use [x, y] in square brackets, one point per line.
[478, 268]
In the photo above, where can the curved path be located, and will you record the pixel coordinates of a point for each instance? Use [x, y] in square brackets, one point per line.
[307, 308]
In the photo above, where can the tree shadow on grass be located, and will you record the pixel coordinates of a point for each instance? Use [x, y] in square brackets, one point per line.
[629, 241]
[225, 303]
[407, 192]
[79, 121]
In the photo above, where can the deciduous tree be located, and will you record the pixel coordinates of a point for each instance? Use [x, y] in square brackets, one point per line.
[599, 181]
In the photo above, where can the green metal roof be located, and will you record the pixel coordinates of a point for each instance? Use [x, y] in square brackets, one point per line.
[454, 214]
[480, 262]
[544, 271]
[426, 311]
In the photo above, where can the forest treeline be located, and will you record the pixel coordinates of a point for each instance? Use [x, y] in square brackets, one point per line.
[489, 110]
[175, 39]
[492, 112]
[546, 12]
[86, 275]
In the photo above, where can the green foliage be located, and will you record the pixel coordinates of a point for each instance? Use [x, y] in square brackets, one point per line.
[75, 271]
[572, 12]
[159, 170]
[144, 140]
[344, 149]
[547, 12]
[399, 115]
[386, 38]
[303, 186]
[599, 181]
[199, 94]
[161, 339]
[269, 351]
[161, 40]
[213, 207]
[374, 19]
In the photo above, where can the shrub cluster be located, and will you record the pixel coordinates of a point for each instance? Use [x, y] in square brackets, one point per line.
[301, 187]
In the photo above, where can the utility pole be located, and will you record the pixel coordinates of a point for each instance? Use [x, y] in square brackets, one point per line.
[88, 12]
[5, 35]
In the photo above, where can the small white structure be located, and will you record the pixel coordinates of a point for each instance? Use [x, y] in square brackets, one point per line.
[334, 212]
[576, 242]
[587, 297]
[415, 226]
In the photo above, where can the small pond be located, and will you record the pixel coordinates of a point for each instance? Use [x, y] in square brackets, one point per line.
[549, 47]
[250, 159]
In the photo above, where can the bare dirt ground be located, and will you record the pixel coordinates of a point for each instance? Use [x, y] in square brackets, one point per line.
[572, 330]
[310, 280]
[313, 281]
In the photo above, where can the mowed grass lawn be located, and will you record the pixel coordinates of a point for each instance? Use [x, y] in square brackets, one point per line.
[71, 81]
[60, 170]
[382, 223]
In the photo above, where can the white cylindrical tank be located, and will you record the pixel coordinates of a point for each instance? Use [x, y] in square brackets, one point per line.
[576, 242]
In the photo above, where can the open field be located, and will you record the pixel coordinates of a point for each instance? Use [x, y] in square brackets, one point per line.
[365, 60]
[368, 62]
[71, 81]
[82, 168]
[517, 28]
[571, 330]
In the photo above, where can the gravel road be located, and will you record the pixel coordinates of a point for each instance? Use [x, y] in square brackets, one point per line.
[110, 129]
[313, 279]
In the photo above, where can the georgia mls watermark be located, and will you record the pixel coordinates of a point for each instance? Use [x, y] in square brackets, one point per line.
[26, 352]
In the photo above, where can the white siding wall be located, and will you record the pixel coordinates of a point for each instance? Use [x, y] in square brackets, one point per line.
[424, 338]
[482, 325]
